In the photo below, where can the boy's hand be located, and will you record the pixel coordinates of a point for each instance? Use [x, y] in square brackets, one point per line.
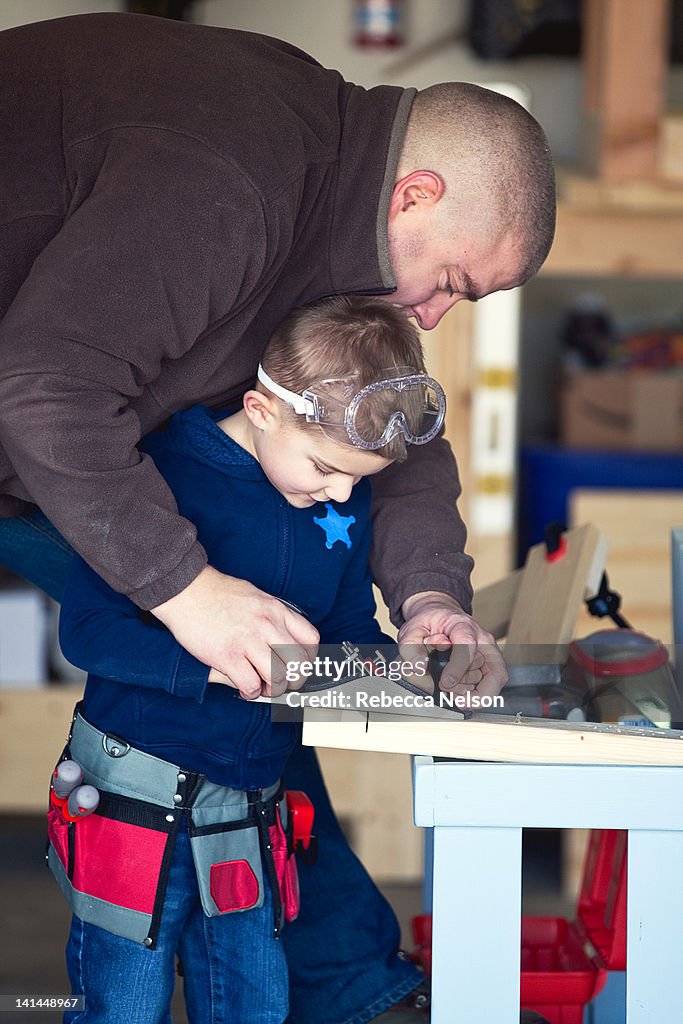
[233, 627]
[476, 662]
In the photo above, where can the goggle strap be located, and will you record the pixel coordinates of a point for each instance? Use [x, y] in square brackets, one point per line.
[302, 406]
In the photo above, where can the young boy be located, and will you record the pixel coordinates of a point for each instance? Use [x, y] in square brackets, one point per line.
[185, 853]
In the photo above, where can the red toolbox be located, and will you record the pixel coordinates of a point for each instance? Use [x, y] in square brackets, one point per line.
[565, 963]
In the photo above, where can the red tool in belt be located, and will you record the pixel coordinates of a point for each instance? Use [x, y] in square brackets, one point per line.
[300, 813]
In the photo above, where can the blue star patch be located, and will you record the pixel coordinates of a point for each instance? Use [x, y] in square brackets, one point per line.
[336, 527]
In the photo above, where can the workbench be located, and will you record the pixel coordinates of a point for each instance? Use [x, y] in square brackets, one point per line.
[477, 811]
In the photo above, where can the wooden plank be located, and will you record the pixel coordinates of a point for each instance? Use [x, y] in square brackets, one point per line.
[616, 243]
[492, 605]
[585, 192]
[495, 738]
[574, 846]
[34, 725]
[625, 65]
[550, 596]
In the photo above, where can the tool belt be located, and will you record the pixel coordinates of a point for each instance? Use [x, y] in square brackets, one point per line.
[113, 865]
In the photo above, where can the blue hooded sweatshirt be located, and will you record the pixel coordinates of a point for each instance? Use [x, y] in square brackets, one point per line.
[142, 685]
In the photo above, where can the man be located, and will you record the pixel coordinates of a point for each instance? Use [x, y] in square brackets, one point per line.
[170, 192]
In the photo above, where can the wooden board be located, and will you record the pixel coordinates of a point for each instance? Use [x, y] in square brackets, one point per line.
[616, 243]
[33, 728]
[625, 63]
[492, 605]
[493, 738]
[551, 594]
[584, 192]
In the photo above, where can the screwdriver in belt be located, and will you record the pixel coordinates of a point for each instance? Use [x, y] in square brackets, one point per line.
[73, 799]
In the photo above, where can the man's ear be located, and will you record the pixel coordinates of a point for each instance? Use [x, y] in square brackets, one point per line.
[416, 190]
[261, 410]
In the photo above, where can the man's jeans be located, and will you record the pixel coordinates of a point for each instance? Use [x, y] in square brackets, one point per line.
[234, 968]
[342, 950]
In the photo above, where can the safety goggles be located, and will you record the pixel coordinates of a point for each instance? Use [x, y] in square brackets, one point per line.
[405, 403]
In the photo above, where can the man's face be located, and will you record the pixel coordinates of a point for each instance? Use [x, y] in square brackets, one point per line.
[434, 272]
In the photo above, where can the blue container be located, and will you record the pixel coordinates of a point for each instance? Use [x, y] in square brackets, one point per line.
[548, 474]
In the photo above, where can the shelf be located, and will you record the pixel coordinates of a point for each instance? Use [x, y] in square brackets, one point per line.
[625, 229]
[34, 724]
[616, 243]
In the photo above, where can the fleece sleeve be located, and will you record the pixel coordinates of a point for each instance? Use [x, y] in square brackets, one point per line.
[103, 632]
[166, 243]
[418, 534]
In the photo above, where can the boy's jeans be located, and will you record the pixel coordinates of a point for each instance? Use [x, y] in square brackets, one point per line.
[234, 969]
[342, 950]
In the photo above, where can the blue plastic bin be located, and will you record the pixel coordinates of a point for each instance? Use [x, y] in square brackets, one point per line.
[548, 474]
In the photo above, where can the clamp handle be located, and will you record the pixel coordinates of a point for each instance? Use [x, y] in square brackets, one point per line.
[607, 602]
[555, 541]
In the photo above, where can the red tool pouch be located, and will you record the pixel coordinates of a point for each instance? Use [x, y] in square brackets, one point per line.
[112, 866]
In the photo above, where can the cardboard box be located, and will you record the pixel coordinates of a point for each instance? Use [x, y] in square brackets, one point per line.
[617, 409]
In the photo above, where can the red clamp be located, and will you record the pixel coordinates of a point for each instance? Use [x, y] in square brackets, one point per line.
[300, 814]
[555, 541]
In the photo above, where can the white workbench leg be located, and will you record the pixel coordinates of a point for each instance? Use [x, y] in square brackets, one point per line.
[654, 937]
[476, 922]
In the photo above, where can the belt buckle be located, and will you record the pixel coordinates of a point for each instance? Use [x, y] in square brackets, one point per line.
[114, 745]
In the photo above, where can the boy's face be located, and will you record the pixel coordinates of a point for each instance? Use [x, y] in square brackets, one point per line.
[306, 468]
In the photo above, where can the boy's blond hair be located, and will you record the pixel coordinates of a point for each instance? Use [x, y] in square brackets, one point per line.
[344, 336]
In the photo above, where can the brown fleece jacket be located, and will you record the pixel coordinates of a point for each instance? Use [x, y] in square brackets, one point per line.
[168, 193]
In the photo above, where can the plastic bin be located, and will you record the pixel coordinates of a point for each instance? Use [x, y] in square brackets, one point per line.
[548, 474]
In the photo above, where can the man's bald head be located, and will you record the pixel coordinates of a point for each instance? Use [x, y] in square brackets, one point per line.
[495, 163]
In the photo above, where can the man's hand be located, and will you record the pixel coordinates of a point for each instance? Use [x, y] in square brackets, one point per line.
[267, 689]
[438, 620]
[233, 627]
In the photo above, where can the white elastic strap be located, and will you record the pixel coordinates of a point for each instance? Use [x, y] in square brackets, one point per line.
[299, 404]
